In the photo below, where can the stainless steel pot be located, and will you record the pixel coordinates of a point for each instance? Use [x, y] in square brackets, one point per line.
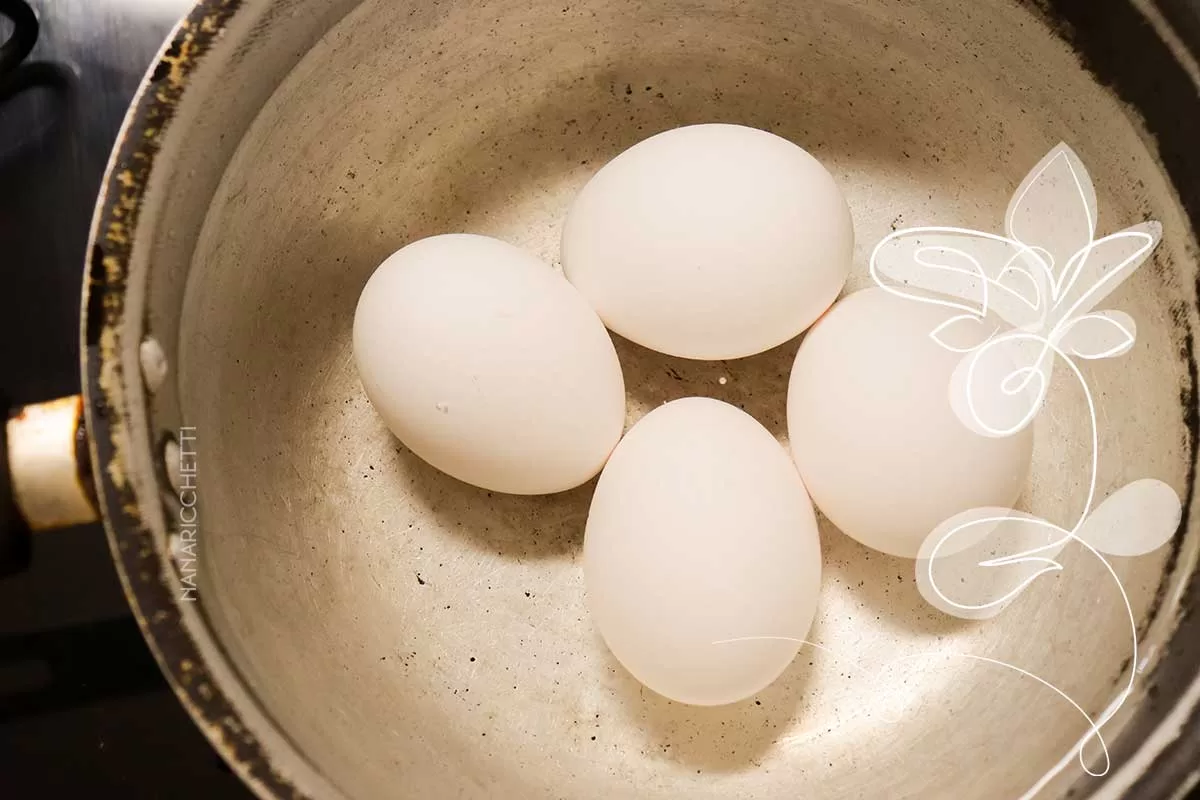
[343, 621]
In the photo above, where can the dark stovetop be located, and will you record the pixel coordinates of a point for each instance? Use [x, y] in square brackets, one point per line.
[84, 710]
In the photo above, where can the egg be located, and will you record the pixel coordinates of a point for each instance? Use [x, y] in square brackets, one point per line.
[488, 364]
[701, 558]
[874, 432]
[709, 241]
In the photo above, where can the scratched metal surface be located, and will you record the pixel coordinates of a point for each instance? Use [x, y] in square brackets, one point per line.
[77, 683]
[402, 630]
[535, 542]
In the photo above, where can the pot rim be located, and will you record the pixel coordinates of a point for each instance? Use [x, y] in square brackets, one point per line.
[1161, 765]
[140, 563]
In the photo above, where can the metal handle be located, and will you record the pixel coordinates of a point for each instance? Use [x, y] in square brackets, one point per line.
[25, 32]
[45, 478]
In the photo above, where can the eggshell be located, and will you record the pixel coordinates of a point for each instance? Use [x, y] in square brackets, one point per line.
[701, 532]
[709, 241]
[873, 432]
[489, 365]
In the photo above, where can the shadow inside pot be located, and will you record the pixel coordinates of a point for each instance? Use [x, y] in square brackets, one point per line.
[520, 527]
[882, 584]
[713, 739]
[757, 384]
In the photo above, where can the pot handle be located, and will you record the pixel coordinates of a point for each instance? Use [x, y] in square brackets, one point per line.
[45, 476]
[23, 36]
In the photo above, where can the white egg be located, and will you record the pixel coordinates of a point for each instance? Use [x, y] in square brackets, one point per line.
[872, 429]
[700, 541]
[709, 241]
[489, 365]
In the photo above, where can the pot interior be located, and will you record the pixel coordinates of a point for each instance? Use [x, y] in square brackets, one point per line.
[412, 636]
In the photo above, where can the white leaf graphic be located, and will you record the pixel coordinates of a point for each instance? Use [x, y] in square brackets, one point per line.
[964, 333]
[970, 271]
[1028, 286]
[998, 389]
[1054, 208]
[1101, 334]
[977, 562]
[1098, 269]
[1138, 518]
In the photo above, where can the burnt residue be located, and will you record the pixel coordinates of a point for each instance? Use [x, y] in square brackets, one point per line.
[160, 71]
[170, 58]
[1121, 48]
[1191, 421]
[1111, 37]
[83, 459]
[152, 600]
[94, 310]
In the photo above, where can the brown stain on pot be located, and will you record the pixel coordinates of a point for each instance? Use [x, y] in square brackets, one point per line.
[1120, 47]
[172, 645]
[149, 596]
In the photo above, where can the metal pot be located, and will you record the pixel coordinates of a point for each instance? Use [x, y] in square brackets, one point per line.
[343, 621]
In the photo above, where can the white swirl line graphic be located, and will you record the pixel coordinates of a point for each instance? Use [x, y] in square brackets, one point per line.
[1035, 205]
[1050, 318]
[1093, 726]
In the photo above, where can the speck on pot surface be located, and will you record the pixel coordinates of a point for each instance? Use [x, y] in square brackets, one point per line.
[238, 228]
